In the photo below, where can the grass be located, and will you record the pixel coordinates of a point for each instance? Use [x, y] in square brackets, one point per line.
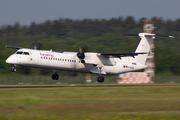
[91, 103]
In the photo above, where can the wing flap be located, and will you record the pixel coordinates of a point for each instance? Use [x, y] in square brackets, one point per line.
[119, 55]
[97, 72]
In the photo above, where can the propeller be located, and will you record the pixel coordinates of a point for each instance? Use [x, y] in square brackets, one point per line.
[83, 47]
[36, 45]
[81, 55]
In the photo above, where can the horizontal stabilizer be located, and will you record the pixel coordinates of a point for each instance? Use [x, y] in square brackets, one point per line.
[164, 36]
[153, 35]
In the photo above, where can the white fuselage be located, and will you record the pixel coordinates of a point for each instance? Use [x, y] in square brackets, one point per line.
[68, 61]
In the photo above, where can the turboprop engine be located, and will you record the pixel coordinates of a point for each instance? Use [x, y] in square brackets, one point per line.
[81, 56]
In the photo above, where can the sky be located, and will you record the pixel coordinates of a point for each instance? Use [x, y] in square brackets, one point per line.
[27, 11]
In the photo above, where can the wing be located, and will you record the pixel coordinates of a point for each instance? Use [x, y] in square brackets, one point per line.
[119, 55]
[28, 48]
[13, 47]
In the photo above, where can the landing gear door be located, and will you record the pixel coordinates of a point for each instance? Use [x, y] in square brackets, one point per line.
[36, 57]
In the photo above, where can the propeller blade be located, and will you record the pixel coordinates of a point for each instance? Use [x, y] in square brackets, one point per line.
[80, 50]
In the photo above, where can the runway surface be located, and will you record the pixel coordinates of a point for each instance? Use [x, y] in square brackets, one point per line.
[87, 85]
[147, 112]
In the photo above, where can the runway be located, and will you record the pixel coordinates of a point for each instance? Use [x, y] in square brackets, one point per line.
[86, 85]
[148, 112]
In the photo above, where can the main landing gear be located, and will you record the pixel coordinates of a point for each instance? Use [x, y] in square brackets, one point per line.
[100, 79]
[55, 76]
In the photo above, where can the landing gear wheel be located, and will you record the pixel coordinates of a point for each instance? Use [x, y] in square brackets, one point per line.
[13, 69]
[55, 76]
[100, 79]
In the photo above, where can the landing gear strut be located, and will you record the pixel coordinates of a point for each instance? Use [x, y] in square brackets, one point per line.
[13, 69]
[100, 79]
[55, 76]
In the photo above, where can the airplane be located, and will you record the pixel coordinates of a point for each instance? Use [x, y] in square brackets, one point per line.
[88, 62]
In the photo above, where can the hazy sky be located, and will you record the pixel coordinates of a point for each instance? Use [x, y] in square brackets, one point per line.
[26, 11]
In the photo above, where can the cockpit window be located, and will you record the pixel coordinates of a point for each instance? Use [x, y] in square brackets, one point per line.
[26, 53]
[19, 52]
[22, 53]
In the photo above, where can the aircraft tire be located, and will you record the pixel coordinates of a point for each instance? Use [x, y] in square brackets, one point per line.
[13, 70]
[100, 79]
[55, 76]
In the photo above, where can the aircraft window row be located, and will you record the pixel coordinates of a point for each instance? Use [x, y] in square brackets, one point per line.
[22, 53]
[58, 59]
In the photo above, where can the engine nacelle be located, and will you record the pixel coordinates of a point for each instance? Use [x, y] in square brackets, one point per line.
[82, 61]
[81, 55]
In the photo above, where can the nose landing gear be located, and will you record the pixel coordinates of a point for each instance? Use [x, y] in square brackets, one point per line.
[13, 69]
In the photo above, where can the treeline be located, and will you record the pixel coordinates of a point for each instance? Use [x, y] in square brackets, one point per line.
[96, 35]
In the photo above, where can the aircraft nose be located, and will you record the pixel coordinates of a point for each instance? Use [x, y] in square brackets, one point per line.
[10, 60]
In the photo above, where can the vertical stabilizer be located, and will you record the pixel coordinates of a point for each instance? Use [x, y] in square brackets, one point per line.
[143, 46]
